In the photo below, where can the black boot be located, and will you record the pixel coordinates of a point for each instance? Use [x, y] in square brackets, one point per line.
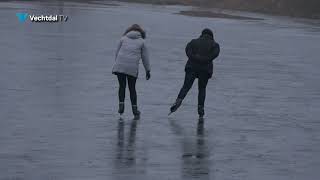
[121, 108]
[176, 105]
[135, 111]
[201, 111]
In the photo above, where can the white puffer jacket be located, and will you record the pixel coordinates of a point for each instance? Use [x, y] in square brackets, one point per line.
[130, 50]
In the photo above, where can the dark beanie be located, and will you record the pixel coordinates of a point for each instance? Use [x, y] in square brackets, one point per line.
[207, 31]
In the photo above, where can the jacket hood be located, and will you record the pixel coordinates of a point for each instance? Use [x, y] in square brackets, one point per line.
[207, 32]
[133, 35]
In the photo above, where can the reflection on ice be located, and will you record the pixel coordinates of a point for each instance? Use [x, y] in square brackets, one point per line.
[195, 153]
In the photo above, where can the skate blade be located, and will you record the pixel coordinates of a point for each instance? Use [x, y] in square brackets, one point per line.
[170, 113]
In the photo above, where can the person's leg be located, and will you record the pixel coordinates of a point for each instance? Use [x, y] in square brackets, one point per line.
[188, 82]
[202, 85]
[132, 88]
[122, 86]
[133, 95]
[122, 91]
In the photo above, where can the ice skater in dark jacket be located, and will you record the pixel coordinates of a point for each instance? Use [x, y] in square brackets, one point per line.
[201, 53]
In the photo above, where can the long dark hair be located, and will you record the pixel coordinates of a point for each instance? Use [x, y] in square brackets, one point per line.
[136, 27]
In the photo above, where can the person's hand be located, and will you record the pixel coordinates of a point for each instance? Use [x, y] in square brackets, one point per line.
[148, 75]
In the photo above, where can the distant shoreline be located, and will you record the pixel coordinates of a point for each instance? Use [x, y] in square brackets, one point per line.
[210, 14]
[194, 12]
[263, 10]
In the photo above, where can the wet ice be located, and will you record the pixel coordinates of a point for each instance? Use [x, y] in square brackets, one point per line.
[58, 98]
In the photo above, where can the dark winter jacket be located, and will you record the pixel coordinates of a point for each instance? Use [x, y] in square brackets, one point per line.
[201, 53]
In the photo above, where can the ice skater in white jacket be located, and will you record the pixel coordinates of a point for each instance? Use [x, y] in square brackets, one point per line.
[130, 50]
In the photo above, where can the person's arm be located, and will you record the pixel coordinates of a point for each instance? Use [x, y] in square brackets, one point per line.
[145, 60]
[189, 50]
[215, 52]
[118, 48]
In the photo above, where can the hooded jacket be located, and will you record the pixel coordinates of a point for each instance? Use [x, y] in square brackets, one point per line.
[130, 50]
[201, 52]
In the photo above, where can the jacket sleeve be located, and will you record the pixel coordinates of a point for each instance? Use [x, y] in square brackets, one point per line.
[212, 55]
[215, 52]
[118, 49]
[145, 57]
[189, 50]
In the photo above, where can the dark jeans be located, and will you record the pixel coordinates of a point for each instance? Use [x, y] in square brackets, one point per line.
[202, 85]
[123, 78]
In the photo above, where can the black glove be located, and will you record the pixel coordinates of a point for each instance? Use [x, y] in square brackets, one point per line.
[148, 75]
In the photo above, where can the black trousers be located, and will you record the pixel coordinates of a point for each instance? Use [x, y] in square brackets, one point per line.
[123, 78]
[202, 85]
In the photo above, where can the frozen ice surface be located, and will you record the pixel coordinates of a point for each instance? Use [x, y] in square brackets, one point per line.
[58, 98]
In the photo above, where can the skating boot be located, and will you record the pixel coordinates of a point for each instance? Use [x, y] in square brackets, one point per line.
[201, 112]
[175, 106]
[136, 112]
[121, 108]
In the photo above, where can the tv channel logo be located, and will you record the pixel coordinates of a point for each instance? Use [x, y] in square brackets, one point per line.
[23, 17]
